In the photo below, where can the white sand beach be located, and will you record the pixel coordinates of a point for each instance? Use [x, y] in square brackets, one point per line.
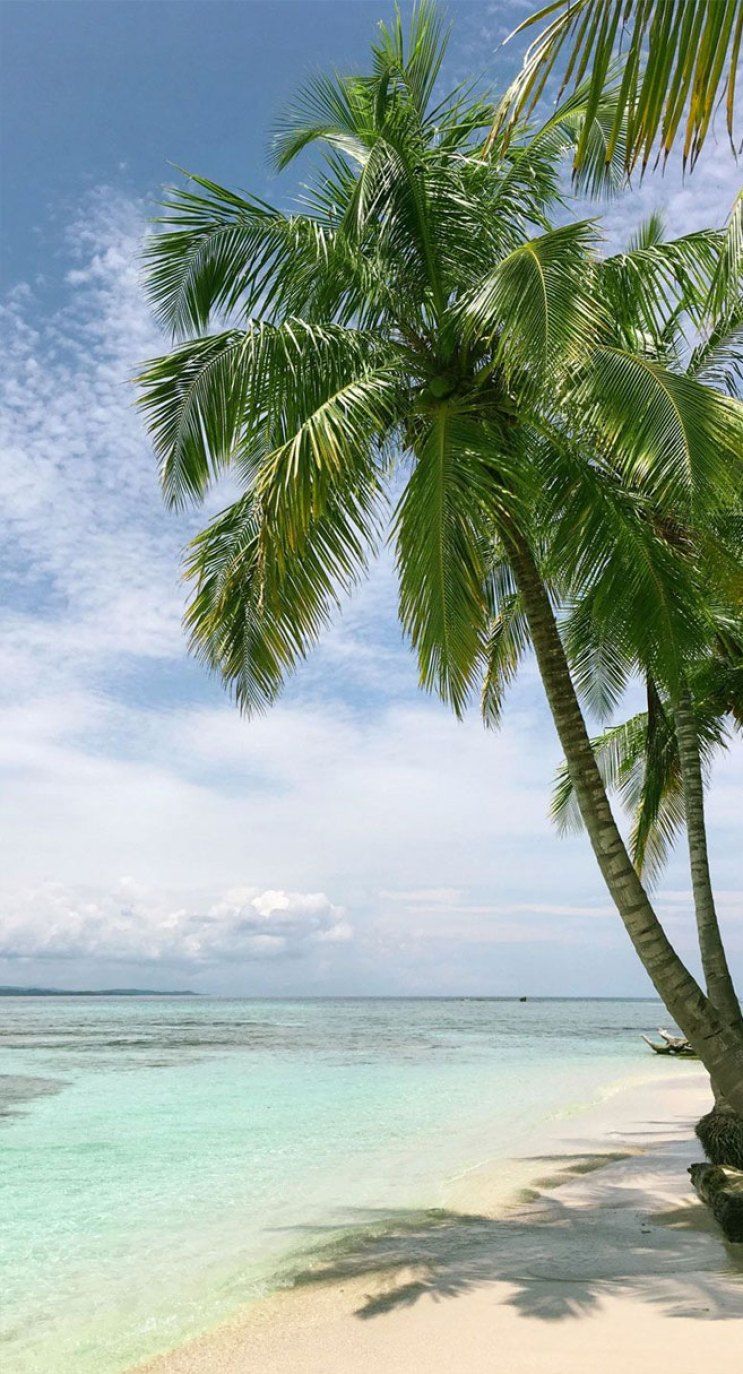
[606, 1261]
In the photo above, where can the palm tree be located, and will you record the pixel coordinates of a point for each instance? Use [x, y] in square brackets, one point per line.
[640, 760]
[420, 332]
[674, 56]
[657, 756]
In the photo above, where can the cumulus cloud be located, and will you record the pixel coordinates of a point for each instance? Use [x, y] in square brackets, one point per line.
[132, 924]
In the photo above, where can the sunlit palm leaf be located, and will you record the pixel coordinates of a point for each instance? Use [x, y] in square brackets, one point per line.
[645, 286]
[221, 254]
[601, 128]
[717, 360]
[676, 55]
[680, 440]
[604, 551]
[195, 401]
[245, 393]
[639, 760]
[726, 288]
[537, 303]
[601, 654]
[413, 60]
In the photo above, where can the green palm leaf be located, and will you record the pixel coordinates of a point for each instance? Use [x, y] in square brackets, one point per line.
[221, 254]
[717, 360]
[726, 288]
[649, 285]
[195, 400]
[639, 760]
[269, 389]
[605, 554]
[254, 612]
[537, 303]
[682, 441]
[442, 536]
[675, 54]
[506, 642]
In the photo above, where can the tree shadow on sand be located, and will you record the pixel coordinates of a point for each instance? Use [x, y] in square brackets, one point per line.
[560, 1255]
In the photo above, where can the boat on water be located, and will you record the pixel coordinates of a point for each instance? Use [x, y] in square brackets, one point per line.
[671, 1044]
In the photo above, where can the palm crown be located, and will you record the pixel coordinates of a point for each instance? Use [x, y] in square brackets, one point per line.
[420, 332]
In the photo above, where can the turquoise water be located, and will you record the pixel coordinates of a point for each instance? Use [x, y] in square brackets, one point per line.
[162, 1159]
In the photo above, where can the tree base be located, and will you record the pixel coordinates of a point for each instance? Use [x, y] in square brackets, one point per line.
[722, 1190]
[721, 1135]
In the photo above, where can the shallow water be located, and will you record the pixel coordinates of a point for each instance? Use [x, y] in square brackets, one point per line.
[161, 1160]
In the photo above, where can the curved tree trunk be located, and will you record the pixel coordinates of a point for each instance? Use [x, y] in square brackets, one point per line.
[720, 989]
[719, 1045]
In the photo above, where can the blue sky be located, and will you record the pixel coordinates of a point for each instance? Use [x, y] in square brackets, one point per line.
[357, 839]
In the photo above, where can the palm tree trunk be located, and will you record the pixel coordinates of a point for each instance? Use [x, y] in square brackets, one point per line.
[720, 989]
[719, 1045]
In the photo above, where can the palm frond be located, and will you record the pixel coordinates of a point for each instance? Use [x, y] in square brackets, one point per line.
[578, 119]
[680, 440]
[263, 395]
[601, 660]
[537, 303]
[726, 287]
[221, 254]
[676, 55]
[506, 641]
[649, 234]
[322, 445]
[647, 286]
[638, 760]
[336, 110]
[604, 547]
[717, 360]
[195, 401]
[415, 63]
[254, 612]
[441, 533]
[620, 754]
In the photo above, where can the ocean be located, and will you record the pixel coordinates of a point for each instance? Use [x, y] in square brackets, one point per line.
[165, 1160]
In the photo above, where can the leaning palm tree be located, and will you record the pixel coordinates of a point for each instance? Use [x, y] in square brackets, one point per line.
[675, 56]
[692, 323]
[640, 761]
[420, 333]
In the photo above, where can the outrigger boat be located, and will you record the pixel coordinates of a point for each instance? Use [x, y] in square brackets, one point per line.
[672, 1044]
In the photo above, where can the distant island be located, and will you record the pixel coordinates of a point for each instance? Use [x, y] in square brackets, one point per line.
[6, 991]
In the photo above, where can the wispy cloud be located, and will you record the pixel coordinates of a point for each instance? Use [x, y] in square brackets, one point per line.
[88, 558]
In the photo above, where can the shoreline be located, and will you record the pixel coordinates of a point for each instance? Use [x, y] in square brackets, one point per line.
[594, 1246]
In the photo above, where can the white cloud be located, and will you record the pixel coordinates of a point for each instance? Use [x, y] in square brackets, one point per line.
[89, 558]
[132, 924]
[308, 792]
[700, 200]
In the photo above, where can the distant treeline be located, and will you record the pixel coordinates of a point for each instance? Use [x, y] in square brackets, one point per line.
[94, 992]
